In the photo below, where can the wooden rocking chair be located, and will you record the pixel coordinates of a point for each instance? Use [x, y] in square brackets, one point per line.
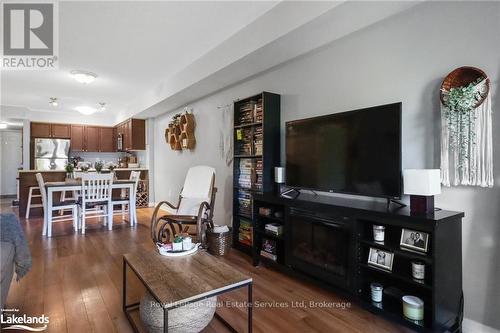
[195, 207]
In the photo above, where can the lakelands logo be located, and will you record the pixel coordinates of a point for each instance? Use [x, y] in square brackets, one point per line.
[10, 321]
[30, 35]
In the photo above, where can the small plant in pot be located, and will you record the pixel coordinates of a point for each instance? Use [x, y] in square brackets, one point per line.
[84, 167]
[70, 168]
[98, 166]
[112, 166]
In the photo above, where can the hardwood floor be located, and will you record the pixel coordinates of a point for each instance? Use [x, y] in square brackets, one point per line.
[76, 281]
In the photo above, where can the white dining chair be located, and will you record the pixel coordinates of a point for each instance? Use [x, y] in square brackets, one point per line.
[96, 192]
[56, 207]
[74, 194]
[124, 198]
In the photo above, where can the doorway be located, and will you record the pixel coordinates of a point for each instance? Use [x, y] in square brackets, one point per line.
[10, 161]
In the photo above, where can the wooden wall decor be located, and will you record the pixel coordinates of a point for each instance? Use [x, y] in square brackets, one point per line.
[180, 132]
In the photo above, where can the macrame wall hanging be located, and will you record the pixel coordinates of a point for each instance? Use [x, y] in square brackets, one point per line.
[466, 129]
[226, 133]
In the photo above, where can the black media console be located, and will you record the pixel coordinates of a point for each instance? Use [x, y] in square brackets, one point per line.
[328, 239]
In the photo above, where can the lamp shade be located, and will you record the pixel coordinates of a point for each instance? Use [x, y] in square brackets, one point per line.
[422, 181]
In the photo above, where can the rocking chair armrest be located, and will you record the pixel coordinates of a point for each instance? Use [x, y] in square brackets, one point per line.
[168, 204]
[204, 205]
[154, 218]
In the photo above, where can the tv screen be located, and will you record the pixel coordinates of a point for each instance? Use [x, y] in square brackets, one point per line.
[355, 152]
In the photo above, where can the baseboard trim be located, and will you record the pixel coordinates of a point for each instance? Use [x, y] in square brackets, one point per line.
[472, 326]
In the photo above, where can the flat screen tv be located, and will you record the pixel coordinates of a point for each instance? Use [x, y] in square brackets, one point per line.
[356, 152]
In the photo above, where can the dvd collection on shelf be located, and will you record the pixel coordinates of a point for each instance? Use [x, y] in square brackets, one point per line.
[248, 164]
[245, 232]
[244, 141]
[244, 203]
[244, 172]
[257, 141]
[250, 112]
[249, 174]
[257, 185]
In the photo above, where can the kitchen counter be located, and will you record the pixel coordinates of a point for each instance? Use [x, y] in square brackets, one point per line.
[91, 170]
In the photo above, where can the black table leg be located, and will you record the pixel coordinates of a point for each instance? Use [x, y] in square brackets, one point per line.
[124, 287]
[250, 307]
[165, 320]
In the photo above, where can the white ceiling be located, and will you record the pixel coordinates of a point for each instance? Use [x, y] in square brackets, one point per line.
[131, 46]
[153, 57]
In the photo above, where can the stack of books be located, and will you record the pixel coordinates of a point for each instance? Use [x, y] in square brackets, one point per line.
[247, 113]
[257, 140]
[269, 249]
[244, 203]
[245, 232]
[243, 141]
[274, 228]
[258, 111]
[258, 172]
[245, 173]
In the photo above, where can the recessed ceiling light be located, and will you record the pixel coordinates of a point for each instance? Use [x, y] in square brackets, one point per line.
[3, 125]
[83, 76]
[102, 106]
[86, 110]
[53, 101]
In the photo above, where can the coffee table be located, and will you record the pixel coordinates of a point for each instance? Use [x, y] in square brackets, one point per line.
[178, 281]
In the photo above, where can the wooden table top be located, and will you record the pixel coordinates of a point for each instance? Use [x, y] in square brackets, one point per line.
[79, 182]
[178, 280]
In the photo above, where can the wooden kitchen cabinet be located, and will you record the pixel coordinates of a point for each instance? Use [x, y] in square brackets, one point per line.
[106, 139]
[95, 138]
[46, 130]
[91, 138]
[60, 131]
[133, 132]
[77, 138]
[40, 130]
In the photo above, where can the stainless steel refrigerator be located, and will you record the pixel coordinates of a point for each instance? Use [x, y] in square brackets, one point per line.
[51, 154]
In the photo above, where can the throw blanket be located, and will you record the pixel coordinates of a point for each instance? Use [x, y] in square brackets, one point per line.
[10, 231]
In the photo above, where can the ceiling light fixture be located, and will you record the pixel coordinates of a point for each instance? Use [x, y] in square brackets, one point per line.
[3, 125]
[86, 110]
[102, 106]
[53, 101]
[83, 76]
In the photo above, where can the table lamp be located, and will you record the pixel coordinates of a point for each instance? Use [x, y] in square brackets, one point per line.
[422, 185]
[279, 178]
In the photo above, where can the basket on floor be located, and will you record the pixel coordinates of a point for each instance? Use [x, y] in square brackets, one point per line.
[219, 243]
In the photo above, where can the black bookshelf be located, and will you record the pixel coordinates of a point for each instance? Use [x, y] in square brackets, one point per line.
[256, 153]
[441, 290]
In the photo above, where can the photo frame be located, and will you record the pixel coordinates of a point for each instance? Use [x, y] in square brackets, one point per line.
[380, 258]
[414, 240]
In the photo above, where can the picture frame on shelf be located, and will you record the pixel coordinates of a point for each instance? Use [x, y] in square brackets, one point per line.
[380, 258]
[413, 240]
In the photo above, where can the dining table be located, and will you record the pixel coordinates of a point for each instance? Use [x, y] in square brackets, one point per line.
[70, 185]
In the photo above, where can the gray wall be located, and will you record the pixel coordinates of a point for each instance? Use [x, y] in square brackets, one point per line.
[403, 58]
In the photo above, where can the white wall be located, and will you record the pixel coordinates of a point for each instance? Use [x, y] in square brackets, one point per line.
[403, 58]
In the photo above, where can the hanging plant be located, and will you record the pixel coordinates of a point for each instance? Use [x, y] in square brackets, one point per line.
[459, 105]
